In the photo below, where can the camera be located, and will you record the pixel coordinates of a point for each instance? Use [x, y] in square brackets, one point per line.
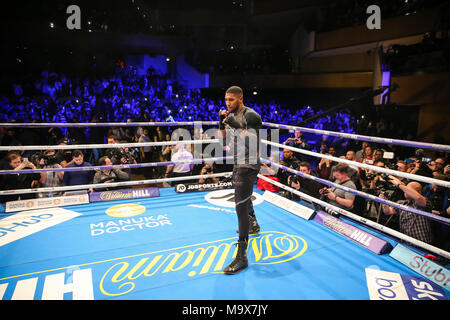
[49, 160]
[294, 179]
[324, 193]
[117, 154]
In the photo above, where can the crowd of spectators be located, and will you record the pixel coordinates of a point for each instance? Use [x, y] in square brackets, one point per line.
[126, 97]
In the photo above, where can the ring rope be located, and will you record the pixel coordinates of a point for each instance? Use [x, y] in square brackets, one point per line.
[363, 165]
[406, 143]
[165, 143]
[106, 146]
[104, 124]
[116, 166]
[362, 194]
[355, 217]
[113, 184]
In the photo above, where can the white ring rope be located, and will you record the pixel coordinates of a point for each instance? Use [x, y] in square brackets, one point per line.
[358, 137]
[355, 217]
[363, 194]
[106, 146]
[114, 184]
[105, 124]
[410, 176]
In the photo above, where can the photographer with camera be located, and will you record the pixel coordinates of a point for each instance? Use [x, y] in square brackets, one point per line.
[290, 161]
[109, 175]
[50, 179]
[337, 197]
[63, 156]
[13, 161]
[120, 155]
[298, 142]
[305, 185]
[208, 168]
[419, 165]
[411, 224]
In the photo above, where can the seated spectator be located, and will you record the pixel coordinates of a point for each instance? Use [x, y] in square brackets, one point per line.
[73, 178]
[411, 224]
[305, 185]
[208, 168]
[13, 161]
[109, 175]
[338, 197]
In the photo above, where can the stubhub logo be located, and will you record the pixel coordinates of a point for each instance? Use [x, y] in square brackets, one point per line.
[383, 285]
[25, 223]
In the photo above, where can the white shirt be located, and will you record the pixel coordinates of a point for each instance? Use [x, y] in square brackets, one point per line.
[145, 139]
[182, 155]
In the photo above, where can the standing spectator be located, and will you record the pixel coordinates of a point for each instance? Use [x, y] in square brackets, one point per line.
[146, 152]
[411, 224]
[13, 161]
[439, 165]
[298, 142]
[290, 161]
[180, 169]
[305, 185]
[360, 153]
[73, 178]
[338, 197]
[366, 158]
[50, 179]
[325, 166]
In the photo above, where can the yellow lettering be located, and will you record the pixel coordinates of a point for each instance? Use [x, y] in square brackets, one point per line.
[270, 247]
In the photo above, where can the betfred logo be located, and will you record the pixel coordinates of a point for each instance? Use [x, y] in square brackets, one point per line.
[383, 285]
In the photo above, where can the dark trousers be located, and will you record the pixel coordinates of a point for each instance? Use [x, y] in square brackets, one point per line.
[244, 180]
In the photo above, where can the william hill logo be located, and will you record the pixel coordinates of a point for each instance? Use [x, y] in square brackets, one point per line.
[140, 272]
[126, 276]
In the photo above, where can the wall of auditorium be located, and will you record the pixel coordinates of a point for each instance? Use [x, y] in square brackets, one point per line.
[353, 62]
[432, 93]
[326, 80]
[393, 28]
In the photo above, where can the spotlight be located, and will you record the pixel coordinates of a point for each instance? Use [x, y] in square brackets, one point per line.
[255, 93]
[52, 25]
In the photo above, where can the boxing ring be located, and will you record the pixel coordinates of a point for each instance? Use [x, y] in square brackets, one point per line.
[173, 243]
